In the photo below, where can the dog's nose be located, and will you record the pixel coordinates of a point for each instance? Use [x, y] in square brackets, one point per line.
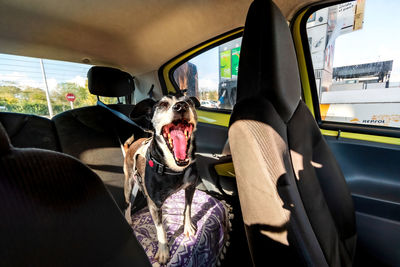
[181, 106]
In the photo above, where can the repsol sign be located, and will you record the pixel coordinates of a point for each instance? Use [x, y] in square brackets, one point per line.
[373, 121]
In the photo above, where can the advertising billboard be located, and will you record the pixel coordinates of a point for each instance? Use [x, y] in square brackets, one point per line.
[225, 64]
[235, 61]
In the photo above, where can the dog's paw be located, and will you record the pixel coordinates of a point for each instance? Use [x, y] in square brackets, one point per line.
[189, 229]
[162, 255]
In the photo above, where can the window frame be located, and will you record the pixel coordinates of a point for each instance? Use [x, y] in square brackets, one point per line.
[188, 55]
[331, 125]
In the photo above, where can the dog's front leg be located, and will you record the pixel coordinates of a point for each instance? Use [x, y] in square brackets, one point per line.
[162, 254]
[127, 192]
[189, 227]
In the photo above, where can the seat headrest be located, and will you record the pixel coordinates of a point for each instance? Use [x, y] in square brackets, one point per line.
[105, 81]
[4, 141]
[268, 64]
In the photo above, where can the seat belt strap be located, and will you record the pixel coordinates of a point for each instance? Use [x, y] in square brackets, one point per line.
[128, 120]
[120, 115]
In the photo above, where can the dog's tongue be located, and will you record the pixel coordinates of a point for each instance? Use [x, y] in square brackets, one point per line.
[179, 140]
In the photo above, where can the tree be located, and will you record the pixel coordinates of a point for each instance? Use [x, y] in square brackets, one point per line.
[33, 100]
[33, 95]
[30, 100]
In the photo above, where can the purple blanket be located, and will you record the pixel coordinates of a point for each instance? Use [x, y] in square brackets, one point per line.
[205, 248]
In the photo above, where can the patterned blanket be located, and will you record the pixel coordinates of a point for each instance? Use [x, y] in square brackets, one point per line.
[204, 249]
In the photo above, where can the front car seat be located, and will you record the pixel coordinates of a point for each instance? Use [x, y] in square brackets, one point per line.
[296, 205]
[56, 212]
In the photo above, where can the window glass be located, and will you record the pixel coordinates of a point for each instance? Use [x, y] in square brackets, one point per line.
[212, 75]
[356, 59]
[24, 80]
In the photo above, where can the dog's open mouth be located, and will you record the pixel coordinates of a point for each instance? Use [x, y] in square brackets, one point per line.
[177, 136]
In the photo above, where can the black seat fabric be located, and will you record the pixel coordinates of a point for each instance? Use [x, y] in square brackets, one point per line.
[56, 212]
[295, 202]
[93, 135]
[90, 134]
[30, 131]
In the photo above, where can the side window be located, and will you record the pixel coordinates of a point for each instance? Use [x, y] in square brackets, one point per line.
[211, 76]
[356, 60]
[25, 81]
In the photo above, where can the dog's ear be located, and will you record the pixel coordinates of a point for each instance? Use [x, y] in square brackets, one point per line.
[142, 113]
[143, 108]
[195, 101]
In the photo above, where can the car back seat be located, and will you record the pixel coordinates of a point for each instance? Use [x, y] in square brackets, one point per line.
[30, 131]
[56, 212]
[94, 135]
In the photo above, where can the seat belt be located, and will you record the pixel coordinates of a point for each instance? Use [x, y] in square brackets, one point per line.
[128, 120]
[121, 116]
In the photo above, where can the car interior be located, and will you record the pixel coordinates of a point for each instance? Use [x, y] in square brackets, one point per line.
[279, 184]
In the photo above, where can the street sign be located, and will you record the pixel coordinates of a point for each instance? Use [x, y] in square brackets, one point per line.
[70, 97]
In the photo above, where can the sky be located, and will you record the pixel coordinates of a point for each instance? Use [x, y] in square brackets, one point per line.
[378, 40]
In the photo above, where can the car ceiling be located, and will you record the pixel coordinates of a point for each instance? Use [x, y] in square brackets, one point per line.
[135, 35]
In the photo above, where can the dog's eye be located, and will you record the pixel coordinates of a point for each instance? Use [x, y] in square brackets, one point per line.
[163, 104]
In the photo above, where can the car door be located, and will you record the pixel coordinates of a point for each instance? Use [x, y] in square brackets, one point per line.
[350, 70]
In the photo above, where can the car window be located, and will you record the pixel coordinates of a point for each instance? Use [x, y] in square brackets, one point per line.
[211, 76]
[25, 81]
[356, 60]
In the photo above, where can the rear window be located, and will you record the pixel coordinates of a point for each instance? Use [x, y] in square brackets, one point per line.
[25, 81]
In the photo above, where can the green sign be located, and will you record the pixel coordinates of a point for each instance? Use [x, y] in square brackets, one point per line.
[235, 61]
[225, 64]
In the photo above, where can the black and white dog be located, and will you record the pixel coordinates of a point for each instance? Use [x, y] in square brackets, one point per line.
[164, 163]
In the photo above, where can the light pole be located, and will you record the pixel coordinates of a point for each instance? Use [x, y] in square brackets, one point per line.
[47, 89]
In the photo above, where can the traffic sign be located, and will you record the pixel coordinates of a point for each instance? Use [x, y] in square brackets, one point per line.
[70, 97]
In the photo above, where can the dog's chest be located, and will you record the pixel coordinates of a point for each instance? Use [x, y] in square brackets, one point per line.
[160, 186]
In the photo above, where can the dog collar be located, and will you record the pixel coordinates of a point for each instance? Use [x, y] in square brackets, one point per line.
[160, 168]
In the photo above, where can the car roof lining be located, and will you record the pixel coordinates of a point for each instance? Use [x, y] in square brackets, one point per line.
[133, 35]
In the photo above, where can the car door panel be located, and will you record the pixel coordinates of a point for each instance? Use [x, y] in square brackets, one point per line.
[372, 171]
[211, 138]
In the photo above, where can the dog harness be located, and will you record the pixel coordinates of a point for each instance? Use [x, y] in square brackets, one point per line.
[158, 167]
[152, 168]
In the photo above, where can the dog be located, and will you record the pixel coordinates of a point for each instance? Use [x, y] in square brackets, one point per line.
[164, 163]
